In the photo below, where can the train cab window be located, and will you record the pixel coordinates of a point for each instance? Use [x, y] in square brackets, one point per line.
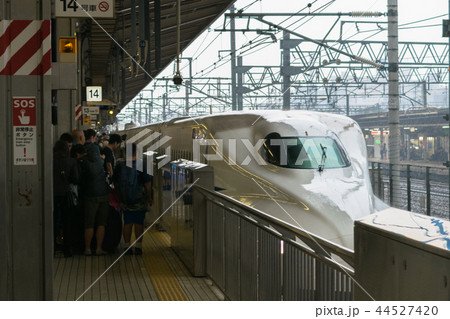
[304, 152]
[272, 151]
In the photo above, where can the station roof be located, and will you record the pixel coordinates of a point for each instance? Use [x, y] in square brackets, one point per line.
[419, 116]
[99, 55]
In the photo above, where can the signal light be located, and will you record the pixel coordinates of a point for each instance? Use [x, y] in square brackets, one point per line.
[177, 79]
[68, 45]
[111, 112]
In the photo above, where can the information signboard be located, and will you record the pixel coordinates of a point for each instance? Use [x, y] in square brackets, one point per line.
[24, 130]
[84, 8]
[91, 110]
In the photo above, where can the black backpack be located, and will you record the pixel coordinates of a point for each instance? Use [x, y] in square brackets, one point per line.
[131, 188]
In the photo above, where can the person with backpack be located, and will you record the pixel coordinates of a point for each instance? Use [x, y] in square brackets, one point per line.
[134, 188]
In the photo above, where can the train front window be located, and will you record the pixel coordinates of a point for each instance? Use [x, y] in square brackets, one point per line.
[305, 152]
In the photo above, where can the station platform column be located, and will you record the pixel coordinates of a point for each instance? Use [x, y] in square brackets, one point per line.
[26, 244]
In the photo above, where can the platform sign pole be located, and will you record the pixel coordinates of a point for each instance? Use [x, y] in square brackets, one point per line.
[448, 98]
[233, 59]
[394, 102]
[26, 235]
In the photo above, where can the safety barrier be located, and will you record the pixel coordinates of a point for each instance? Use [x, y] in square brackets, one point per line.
[424, 188]
[253, 256]
[250, 255]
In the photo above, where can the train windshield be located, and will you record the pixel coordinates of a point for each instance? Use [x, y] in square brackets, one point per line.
[305, 152]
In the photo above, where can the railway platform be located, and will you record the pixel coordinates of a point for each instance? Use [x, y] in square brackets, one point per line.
[156, 275]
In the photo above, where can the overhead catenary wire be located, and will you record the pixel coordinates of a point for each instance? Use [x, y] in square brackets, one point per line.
[252, 42]
[204, 49]
[261, 44]
[214, 66]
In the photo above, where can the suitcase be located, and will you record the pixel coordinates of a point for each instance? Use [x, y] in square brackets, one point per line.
[113, 231]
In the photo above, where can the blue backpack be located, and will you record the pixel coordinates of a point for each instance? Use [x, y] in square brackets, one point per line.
[131, 188]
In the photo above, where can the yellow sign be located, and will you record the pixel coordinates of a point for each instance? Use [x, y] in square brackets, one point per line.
[87, 120]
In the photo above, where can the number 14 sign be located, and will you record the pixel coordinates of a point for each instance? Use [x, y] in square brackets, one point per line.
[94, 94]
[84, 8]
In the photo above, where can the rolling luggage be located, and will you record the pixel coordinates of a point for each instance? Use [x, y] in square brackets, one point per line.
[113, 231]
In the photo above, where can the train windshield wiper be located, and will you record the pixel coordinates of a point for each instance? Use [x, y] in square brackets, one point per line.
[324, 157]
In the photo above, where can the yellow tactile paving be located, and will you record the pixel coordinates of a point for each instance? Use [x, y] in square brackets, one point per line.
[164, 280]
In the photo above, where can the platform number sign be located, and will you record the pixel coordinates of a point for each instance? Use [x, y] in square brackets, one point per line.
[94, 94]
[69, 5]
[84, 8]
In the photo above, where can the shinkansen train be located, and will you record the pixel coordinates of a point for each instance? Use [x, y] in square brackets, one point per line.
[306, 168]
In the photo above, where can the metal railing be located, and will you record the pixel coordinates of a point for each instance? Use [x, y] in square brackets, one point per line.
[424, 189]
[251, 255]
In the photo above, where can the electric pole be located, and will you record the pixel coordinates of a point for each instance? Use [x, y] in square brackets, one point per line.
[233, 60]
[394, 127]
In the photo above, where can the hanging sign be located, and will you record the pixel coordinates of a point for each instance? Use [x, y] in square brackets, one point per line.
[24, 130]
[84, 8]
[94, 94]
[90, 110]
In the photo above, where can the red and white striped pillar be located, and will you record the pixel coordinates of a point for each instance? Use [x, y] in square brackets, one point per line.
[25, 47]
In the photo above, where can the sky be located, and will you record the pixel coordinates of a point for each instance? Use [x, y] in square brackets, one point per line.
[209, 50]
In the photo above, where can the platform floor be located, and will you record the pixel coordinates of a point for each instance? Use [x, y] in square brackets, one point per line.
[156, 275]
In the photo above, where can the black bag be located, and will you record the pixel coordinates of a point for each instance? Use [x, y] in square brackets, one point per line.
[113, 231]
[72, 196]
[78, 229]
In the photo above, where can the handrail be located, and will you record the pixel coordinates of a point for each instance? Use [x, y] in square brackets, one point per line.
[419, 165]
[317, 246]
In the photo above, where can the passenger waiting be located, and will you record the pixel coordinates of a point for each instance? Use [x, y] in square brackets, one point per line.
[67, 137]
[91, 140]
[108, 151]
[96, 199]
[64, 173]
[134, 190]
[78, 137]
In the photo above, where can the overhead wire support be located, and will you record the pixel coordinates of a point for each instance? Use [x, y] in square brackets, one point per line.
[367, 14]
[354, 57]
[177, 78]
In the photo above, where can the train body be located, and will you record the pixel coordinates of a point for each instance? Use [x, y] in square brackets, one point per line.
[306, 168]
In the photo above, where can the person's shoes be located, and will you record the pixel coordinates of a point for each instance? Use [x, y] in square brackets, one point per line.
[88, 252]
[129, 251]
[67, 253]
[100, 252]
[138, 251]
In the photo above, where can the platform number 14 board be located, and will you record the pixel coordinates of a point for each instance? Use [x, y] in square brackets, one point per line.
[84, 8]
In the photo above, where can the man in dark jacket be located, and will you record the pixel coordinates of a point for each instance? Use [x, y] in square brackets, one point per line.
[108, 151]
[64, 173]
[96, 199]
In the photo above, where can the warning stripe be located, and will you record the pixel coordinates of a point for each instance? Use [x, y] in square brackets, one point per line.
[77, 112]
[25, 47]
[12, 29]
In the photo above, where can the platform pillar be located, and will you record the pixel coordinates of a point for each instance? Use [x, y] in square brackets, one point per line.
[26, 252]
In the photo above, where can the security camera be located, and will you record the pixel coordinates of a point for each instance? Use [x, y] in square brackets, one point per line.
[177, 79]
